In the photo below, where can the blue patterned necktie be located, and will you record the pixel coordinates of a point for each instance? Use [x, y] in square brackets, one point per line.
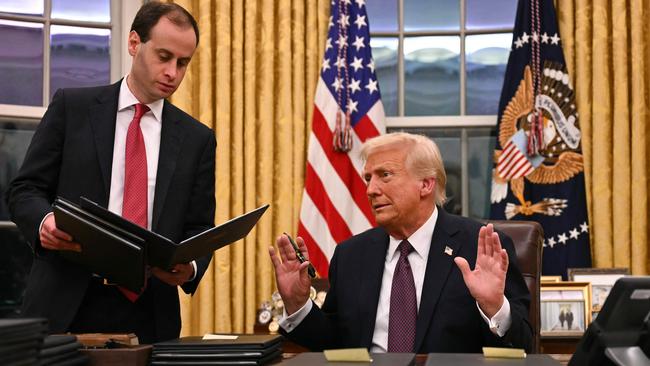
[403, 304]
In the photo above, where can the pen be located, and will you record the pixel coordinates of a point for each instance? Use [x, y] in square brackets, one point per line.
[301, 258]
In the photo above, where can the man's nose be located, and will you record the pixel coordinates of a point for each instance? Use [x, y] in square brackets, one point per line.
[170, 70]
[372, 189]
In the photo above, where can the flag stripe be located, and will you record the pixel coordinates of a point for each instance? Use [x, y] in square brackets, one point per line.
[317, 258]
[315, 224]
[338, 228]
[342, 165]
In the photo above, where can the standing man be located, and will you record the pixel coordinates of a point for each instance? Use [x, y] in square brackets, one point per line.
[127, 148]
[407, 286]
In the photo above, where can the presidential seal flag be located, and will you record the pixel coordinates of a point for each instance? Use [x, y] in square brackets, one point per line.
[347, 112]
[539, 172]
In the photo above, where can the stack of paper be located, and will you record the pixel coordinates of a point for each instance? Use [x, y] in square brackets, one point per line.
[61, 350]
[247, 349]
[21, 340]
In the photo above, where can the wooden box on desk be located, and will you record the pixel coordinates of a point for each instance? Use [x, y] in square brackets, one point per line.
[105, 349]
[132, 355]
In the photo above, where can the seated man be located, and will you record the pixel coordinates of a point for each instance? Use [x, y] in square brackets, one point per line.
[406, 285]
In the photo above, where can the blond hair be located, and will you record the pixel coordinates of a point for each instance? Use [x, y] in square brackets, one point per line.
[423, 157]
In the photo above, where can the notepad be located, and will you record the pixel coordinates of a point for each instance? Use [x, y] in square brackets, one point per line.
[496, 352]
[347, 355]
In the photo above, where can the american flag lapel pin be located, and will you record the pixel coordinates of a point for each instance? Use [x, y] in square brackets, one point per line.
[448, 250]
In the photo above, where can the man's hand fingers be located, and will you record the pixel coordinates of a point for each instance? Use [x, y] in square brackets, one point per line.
[481, 241]
[302, 247]
[463, 266]
[285, 248]
[504, 260]
[275, 259]
[489, 245]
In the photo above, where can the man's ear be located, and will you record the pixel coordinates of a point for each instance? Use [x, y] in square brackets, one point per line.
[428, 186]
[134, 42]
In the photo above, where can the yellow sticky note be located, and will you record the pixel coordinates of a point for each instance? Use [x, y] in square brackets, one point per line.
[504, 352]
[219, 336]
[347, 355]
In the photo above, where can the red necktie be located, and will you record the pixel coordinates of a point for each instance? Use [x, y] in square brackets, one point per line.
[134, 206]
[403, 304]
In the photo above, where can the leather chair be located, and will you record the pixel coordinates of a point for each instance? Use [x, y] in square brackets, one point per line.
[528, 238]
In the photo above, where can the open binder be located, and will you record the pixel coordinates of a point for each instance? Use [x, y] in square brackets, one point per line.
[120, 250]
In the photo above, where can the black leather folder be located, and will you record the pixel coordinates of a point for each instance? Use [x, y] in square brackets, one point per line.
[247, 342]
[119, 250]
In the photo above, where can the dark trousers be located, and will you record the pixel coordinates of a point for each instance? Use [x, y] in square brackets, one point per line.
[105, 309]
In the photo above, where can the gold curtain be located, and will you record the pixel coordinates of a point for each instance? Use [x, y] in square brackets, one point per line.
[252, 80]
[607, 48]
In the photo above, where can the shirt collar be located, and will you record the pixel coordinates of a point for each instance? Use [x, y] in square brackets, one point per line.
[420, 239]
[127, 99]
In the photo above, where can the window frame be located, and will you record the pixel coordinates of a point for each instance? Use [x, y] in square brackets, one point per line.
[122, 14]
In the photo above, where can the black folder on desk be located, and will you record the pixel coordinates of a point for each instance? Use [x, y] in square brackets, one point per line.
[119, 250]
[246, 349]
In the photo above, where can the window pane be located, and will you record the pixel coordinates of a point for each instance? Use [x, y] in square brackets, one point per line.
[431, 75]
[384, 52]
[20, 62]
[14, 140]
[479, 166]
[431, 15]
[483, 14]
[486, 60]
[27, 7]
[79, 57]
[93, 11]
[382, 15]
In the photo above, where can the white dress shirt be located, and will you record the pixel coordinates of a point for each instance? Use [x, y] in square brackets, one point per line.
[151, 124]
[421, 242]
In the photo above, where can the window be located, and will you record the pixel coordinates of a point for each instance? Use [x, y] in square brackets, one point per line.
[440, 65]
[47, 45]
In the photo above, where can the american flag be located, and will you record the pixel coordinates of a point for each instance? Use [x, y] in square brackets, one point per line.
[334, 202]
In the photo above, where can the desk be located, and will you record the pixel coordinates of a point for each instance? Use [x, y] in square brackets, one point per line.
[454, 359]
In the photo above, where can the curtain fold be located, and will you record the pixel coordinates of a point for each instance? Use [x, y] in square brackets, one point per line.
[606, 43]
[252, 80]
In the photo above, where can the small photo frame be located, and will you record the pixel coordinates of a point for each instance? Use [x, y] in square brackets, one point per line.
[601, 279]
[544, 279]
[565, 308]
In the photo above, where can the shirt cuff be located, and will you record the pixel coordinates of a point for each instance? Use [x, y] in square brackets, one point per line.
[193, 263]
[501, 321]
[290, 322]
[40, 227]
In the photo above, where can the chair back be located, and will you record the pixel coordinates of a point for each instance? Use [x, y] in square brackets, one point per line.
[528, 239]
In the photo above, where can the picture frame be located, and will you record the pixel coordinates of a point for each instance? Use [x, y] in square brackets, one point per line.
[601, 279]
[544, 279]
[565, 308]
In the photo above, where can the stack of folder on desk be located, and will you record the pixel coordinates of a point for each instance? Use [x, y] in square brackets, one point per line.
[247, 349]
[21, 340]
[61, 350]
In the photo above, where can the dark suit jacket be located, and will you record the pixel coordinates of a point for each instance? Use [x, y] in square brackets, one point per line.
[448, 318]
[70, 156]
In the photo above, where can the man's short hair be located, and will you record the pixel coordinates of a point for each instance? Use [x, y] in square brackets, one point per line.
[423, 157]
[151, 12]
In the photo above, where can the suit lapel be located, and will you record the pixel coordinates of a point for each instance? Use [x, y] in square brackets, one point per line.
[171, 139]
[372, 273]
[439, 264]
[102, 120]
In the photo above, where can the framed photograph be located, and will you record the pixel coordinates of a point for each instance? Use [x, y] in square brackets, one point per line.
[565, 308]
[550, 279]
[601, 279]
